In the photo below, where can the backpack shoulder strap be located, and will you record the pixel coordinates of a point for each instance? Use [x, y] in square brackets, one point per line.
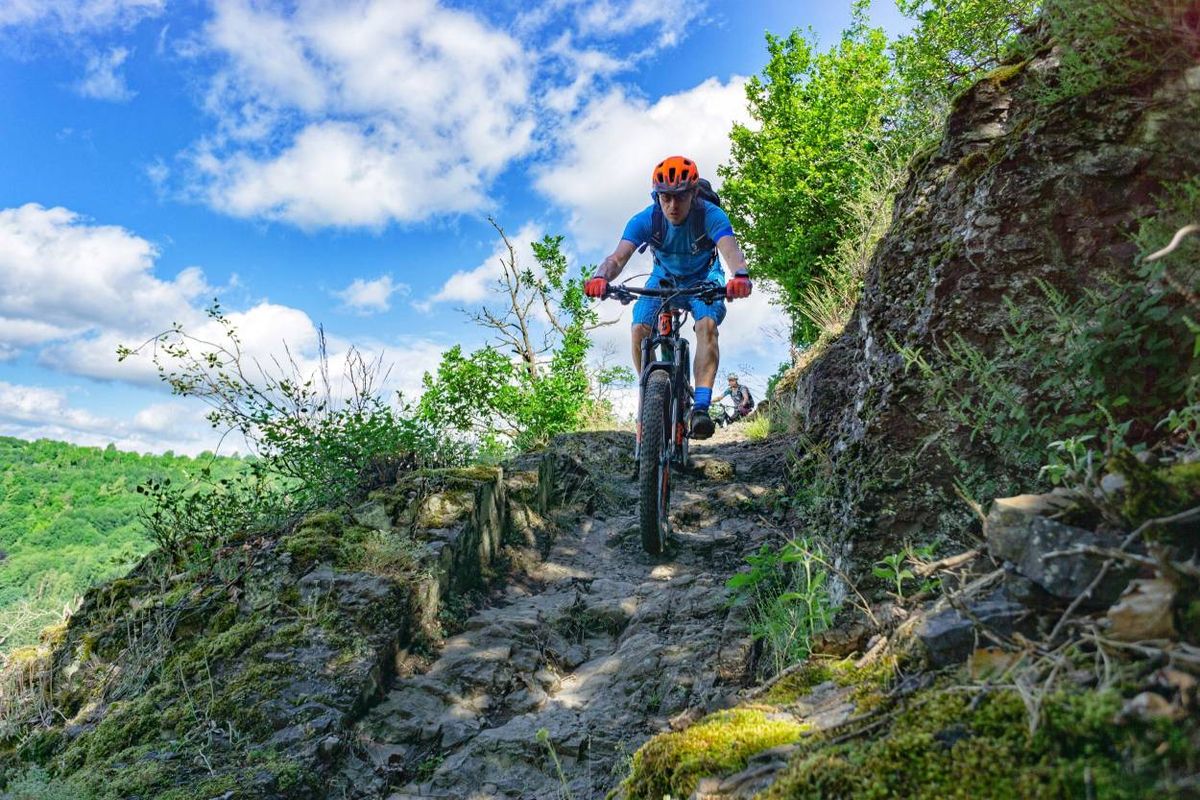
[658, 230]
[701, 243]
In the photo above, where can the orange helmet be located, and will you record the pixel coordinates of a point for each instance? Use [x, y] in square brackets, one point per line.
[674, 174]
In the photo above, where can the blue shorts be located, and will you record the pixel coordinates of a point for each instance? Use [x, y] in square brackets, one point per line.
[645, 310]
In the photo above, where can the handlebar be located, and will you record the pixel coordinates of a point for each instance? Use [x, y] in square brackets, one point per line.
[707, 291]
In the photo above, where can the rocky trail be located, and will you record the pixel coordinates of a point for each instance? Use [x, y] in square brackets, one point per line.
[549, 688]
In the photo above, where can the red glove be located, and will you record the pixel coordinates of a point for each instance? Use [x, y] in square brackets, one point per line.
[738, 286]
[596, 287]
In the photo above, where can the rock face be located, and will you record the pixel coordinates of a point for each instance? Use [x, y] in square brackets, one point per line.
[342, 658]
[244, 675]
[1016, 193]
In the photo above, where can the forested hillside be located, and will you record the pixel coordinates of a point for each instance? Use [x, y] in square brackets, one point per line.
[69, 518]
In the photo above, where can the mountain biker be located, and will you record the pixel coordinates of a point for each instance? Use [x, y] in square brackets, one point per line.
[743, 401]
[686, 259]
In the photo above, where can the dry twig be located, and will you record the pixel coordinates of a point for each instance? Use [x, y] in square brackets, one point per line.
[1134, 535]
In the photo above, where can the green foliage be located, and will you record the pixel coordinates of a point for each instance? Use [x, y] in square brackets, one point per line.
[891, 568]
[810, 189]
[790, 182]
[672, 764]
[758, 428]
[1107, 43]
[69, 518]
[772, 381]
[955, 42]
[189, 520]
[317, 444]
[493, 399]
[789, 595]
[1069, 460]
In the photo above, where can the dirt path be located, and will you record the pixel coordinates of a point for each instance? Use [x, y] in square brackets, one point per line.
[599, 646]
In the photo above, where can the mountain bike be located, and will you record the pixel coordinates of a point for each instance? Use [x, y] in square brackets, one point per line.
[664, 402]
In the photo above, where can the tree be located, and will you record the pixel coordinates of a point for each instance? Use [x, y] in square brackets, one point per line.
[953, 44]
[790, 182]
[808, 188]
[531, 381]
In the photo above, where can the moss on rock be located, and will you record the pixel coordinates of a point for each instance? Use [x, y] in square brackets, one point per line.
[947, 743]
[867, 680]
[721, 743]
[315, 540]
[1156, 493]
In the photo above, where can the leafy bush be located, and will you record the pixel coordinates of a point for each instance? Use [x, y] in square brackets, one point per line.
[790, 182]
[493, 399]
[953, 44]
[315, 446]
[810, 188]
[1107, 43]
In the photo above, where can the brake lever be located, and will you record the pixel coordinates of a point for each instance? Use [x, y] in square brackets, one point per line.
[620, 294]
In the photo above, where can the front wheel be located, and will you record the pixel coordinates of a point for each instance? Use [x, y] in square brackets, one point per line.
[654, 468]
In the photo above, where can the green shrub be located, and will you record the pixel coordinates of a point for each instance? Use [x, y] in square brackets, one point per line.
[788, 592]
[531, 381]
[315, 448]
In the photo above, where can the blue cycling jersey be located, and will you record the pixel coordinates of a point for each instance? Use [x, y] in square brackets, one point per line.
[676, 257]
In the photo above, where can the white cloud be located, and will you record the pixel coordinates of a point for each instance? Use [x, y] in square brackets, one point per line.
[337, 174]
[266, 332]
[614, 18]
[360, 113]
[584, 53]
[77, 16]
[102, 79]
[602, 174]
[71, 291]
[371, 297]
[60, 274]
[473, 285]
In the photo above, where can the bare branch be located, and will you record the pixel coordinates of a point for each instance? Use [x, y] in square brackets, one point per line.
[1183, 516]
[1180, 235]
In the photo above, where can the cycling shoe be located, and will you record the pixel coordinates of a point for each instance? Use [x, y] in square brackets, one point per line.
[702, 425]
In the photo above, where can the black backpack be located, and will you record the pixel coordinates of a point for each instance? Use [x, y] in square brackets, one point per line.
[749, 398]
[701, 242]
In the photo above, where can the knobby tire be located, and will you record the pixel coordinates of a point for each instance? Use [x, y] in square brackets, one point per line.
[654, 470]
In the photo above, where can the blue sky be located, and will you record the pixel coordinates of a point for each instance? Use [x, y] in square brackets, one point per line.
[332, 163]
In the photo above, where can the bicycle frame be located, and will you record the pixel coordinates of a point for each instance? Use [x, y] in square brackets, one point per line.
[676, 362]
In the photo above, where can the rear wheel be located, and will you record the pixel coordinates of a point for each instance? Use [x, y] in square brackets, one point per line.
[654, 468]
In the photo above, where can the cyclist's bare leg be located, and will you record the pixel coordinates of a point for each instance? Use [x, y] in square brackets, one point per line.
[708, 354]
[640, 332]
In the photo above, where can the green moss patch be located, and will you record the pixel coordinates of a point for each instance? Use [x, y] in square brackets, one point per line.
[315, 540]
[1156, 493]
[867, 680]
[722, 743]
[947, 744]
